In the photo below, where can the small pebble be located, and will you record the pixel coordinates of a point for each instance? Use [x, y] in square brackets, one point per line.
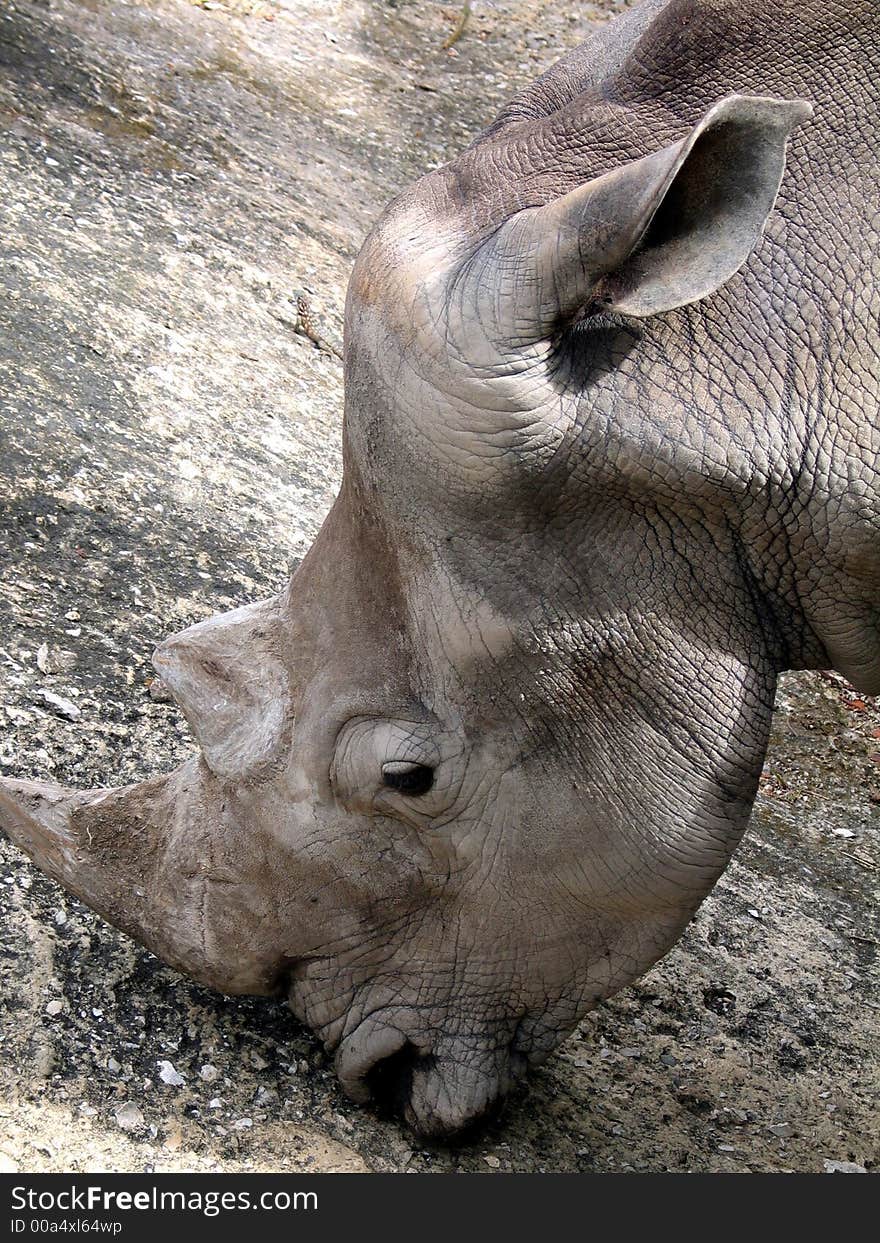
[54, 1007]
[843, 1167]
[128, 1116]
[209, 1073]
[62, 707]
[492, 1161]
[169, 1075]
[784, 1130]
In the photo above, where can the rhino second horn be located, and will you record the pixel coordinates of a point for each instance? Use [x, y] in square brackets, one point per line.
[232, 688]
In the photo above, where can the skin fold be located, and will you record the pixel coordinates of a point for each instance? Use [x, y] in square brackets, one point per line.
[610, 465]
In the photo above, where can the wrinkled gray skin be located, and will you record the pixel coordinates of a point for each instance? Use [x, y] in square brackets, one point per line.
[611, 463]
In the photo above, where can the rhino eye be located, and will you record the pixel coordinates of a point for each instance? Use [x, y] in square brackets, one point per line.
[414, 779]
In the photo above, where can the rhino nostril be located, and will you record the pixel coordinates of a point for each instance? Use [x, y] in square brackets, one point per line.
[390, 1079]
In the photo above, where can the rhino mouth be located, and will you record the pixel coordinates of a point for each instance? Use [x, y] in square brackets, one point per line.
[445, 1092]
[362, 1055]
[390, 1080]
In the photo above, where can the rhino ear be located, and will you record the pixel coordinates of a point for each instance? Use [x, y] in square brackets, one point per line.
[662, 231]
[225, 676]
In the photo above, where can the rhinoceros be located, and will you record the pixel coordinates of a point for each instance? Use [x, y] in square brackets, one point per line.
[610, 465]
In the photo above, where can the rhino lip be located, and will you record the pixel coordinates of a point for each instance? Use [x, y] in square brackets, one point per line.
[379, 1064]
[363, 1053]
[384, 1076]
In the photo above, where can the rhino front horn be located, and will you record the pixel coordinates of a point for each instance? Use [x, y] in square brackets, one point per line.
[172, 861]
[167, 861]
[98, 844]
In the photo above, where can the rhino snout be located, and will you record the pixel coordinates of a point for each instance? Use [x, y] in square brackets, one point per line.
[441, 1091]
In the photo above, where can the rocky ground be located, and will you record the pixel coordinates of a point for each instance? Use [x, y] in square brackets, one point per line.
[171, 177]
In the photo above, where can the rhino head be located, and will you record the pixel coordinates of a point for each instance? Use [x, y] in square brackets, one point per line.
[476, 767]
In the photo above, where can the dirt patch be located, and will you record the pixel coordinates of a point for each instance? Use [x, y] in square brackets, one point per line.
[172, 176]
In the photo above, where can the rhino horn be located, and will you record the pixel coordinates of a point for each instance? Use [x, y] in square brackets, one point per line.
[657, 233]
[161, 861]
[36, 816]
[226, 676]
[99, 844]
